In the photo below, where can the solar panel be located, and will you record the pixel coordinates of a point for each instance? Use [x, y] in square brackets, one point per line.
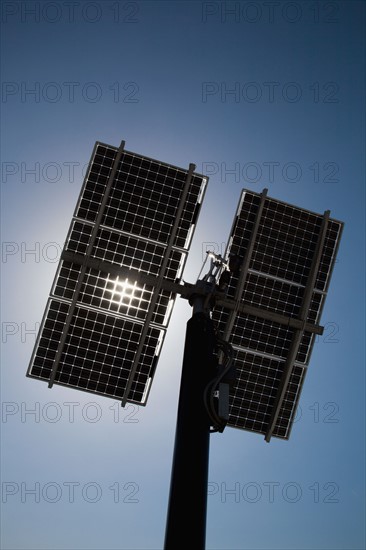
[110, 302]
[286, 256]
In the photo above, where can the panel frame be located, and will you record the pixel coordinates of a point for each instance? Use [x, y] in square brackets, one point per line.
[300, 325]
[86, 260]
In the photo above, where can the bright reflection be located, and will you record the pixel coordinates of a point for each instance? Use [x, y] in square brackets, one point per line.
[126, 293]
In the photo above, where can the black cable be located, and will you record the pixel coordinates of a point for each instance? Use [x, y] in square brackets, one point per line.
[217, 422]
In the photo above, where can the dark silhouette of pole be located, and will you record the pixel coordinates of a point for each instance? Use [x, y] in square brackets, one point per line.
[186, 519]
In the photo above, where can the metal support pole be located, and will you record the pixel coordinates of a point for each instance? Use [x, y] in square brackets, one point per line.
[186, 518]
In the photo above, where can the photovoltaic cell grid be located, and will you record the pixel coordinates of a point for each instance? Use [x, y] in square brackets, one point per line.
[104, 331]
[278, 270]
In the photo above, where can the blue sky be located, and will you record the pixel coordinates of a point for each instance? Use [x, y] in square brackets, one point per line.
[256, 94]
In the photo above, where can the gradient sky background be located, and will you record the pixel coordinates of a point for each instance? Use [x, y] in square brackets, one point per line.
[159, 75]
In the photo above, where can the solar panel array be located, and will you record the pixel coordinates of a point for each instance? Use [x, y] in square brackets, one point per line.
[277, 244]
[103, 328]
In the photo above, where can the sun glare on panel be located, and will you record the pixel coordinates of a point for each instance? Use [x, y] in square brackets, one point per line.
[123, 292]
